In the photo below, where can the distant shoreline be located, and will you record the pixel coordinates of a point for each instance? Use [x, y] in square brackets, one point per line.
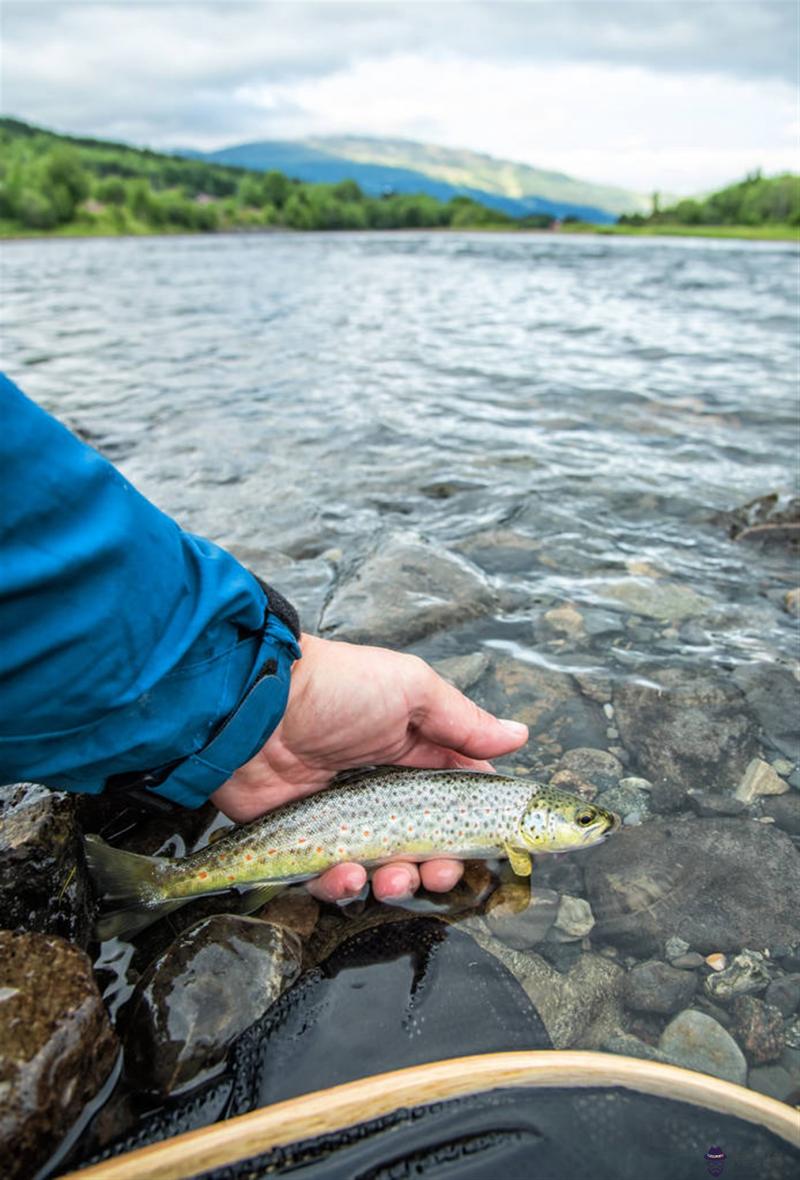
[765, 233]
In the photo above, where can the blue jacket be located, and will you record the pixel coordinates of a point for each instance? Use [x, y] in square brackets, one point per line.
[130, 651]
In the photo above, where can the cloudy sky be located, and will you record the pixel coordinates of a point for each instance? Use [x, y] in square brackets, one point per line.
[645, 93]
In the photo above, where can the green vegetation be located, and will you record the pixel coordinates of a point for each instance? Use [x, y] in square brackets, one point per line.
[757, 202]
[56, 184]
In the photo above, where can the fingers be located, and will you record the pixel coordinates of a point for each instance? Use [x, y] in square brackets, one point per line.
[394, 881]
[389, 882]
[439, 876]
[431, 757]
[339, 883]
[445, 717]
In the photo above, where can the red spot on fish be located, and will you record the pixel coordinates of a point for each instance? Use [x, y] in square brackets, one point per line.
[221, 856]
[393, 818]
[248, 856]
[341, 852]
[320, 848]
[344, 828]
[426, 812]
[366, 831]
[231, 877]
[272, 851]
[411, 827]
[202, 875]
[302, 840]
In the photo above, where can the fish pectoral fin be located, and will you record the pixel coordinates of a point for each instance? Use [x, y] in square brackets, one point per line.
[520, 861]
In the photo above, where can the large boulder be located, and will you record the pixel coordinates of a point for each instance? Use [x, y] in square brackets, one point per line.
[57, 1047]
[404, 589]
[195, 999]
[719, 884]
[686, 729]
[43, 878]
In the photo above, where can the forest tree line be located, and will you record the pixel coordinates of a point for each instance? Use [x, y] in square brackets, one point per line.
[52, 182]
[757, 200]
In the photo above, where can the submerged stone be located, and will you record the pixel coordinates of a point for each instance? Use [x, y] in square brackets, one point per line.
[404, 589]
[720, 884]
[213, 982]
[57, 1047]
[686, 729]
[697, 1041]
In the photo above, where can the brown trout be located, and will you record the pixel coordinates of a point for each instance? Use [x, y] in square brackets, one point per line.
[371, 816]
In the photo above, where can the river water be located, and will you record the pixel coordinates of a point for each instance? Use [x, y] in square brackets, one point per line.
[575, 417]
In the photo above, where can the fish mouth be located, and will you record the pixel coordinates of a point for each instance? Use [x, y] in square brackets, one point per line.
[616, 822]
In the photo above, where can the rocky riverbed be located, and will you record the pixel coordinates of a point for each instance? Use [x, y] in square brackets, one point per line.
[677, 940]
[560, 470]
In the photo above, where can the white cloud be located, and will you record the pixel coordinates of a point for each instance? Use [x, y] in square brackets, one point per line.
[648, 93]
[626, 125]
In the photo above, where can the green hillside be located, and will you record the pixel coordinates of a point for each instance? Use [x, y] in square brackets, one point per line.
[757, 201]
[478, 171]
[66, 185]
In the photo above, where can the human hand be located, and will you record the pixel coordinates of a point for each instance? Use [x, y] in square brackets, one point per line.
[358, 706]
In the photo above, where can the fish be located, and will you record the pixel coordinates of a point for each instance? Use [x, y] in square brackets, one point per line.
[371, 815]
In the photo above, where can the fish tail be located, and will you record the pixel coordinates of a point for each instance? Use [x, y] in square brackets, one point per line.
[123, 876]
[130, 880]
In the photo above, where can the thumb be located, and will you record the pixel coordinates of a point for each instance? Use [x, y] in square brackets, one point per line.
[448, 718]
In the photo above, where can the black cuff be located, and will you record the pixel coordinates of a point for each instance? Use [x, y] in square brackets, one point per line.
[281, 608]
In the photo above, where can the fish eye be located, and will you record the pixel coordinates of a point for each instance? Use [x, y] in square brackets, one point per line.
[584, 818]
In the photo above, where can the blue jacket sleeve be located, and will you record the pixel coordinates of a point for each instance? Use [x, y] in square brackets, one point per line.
[126, 645]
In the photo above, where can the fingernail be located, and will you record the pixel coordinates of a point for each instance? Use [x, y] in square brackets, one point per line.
[516, 727]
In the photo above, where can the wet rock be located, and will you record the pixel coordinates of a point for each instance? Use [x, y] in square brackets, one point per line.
[657, 987]
[463, 671]
[549, 703]
[720, 884]
[657, 598]
[791, 1033]
[519, 918]
[791, 602]
[688, 962]
[773, 693]
[43, 879]
[587, 771]
[565, 620]
[580, 1009]
[697, 1041]
[716, 962]
[783, 993]
[675, 946]
[574, 920]
[686, 729]
[404, 590]
[707, 806]
[57, 1047]
[773, 1080]
[746, 973]
[503, 551]
[295, 909]
[760, 779]
[629, 1045]
[216, 979]
[785, 810]
[758, 1027]
[627, 801]
[774, 517]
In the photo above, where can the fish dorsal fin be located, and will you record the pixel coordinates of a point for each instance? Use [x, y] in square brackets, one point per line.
[356, 773]
[359, 773]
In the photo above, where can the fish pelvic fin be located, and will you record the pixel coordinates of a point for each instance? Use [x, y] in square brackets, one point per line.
[124, 923]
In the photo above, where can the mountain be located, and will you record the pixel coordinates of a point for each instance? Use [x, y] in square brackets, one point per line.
[399, 165]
